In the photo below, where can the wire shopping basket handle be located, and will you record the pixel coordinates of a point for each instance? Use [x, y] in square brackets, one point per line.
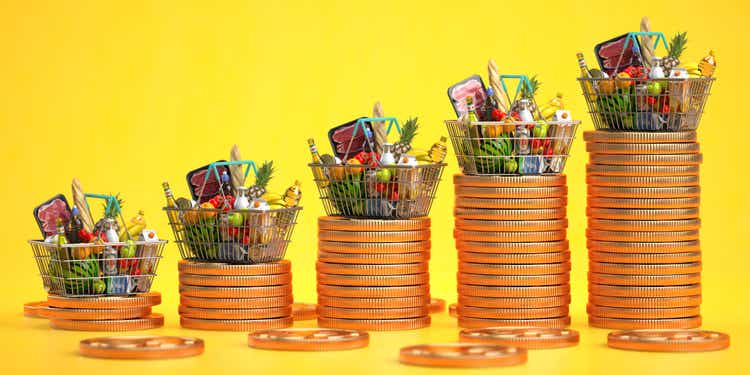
[523, 80]
[368, 133]
[634, 35]
[212, 167]
[111, 203]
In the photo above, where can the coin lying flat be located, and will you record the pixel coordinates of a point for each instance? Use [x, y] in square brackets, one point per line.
[235, 292]
[646, 303]
[511, 203]
[645, 225]
[373, 303]
[224, 269]
[613, 323]
[136, 300]
[232, 281]
[510, 192]
[527, 338]
[643, 148]
[304, 311]
[344, 313]
[374, 291]
[509, 181]
[141, 347]
[642, 170]
[604, 136]
[510, 214]
[644, 247]
[436, 305]
[644, 291]
[466, 322]
[338, 223]
[504, 280]
[152, 321]
[265, 313]
[643, 203]
[376, 258]
[375, 324]
[513, 291]
[522, 258]
[640, 258]
[512, 247]
[645, 192]
[462, 355]
[645, 269]
[514, 303]
[668, 340]
[235, 324]
[648, 214]
[308, 339]
[514, 269]
[236, 303]
[638, 313]
[35, 309]
[657, 181]
[372, 269]
[643, 236]
[490, 313]
[551, 235]
[377, 237]
[511, 225]
[97, 314]
[376, 281]
[372, 248]
[674, 159]
[644, 280]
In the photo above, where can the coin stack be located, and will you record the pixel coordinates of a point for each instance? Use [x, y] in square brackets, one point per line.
[642, 236]
[111, 314]
[373, 274]
[514, 263]
[235, 297]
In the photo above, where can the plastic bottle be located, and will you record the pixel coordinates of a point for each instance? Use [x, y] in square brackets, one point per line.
[241, 203]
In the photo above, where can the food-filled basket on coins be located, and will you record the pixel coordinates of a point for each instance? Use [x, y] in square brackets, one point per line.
[522, 139]
[397, 182]
[633, 93]
[231, 223]
[109, 258]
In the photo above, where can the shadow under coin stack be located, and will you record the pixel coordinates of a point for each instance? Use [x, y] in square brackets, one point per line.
[235, 297]
[642, 236]
[373, 274]
[109, 314]
[514, 263]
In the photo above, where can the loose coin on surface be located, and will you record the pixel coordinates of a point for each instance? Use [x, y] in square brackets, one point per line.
[644, 291]
[462, 355]
[510, 192]
[452, 310]
[232, 281]
[511, 248]
[436, 305]
[521, 313]
[504, 280]
[613, 323]
[513, 291]
[308, 339]
[235, 292]
[224, 269]
[604, 136]
[668, 340]
[645, 303]
[375, 324]
[645, 269]
[378, 280]
[373, 303]
[466, 322]
[642, 170]
[644, 247]
[645, 192]
[643, 148]
[374, 291]
[646, 214]
[304, 311]
[235, 324]
[511, 203]
[141, 347]
[152, 321]
[97, 314]
[643, 203]
[372, 248]
[643, 236]
[521, 258]
[643, 181]
[638, 313]
[514, 269]
[236, 303]
[372, 269]
[511, 225]
[674, 159]
[527, 338]
[265, 313]
[338, 223]
[344, 313]
[376, 258]
[644, 280]
[539, 236]
[514, 303]
[509, 181]
[136, 300]
[510, 214]
[376, 237]
[35, 309]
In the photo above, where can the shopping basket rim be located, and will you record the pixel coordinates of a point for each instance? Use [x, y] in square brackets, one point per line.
[89, 244]
[244, 211]
[550, 122]
[365, 166]
[636, 79]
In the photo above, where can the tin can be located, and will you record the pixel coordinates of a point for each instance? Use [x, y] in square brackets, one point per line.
[523, 146]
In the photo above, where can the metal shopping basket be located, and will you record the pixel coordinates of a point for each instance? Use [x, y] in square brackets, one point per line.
[512, 147]
[373, 190]
[228, 235]
[643, 104]
[88, 269]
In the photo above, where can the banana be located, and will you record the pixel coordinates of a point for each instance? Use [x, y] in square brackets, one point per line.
[273, 198]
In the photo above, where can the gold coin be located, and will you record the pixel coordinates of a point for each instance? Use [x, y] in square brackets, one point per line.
[232, 281]
[35, 309]
[624, 181]
[504, 280]
[644, 291]
[374, 291]
[645, 225]
[643, 203]
[152, 321]
[643, 148]
[638, 258]
[514, 269]
[644, 236]
[377, 258]
[651, 214]
[494, 313]
[644, 280]
[338, 223]
[236, 303]
[637, 313]
[511, 225]
[645, 269]
[646, 303]
[235, 292]
[436, 305]
[512, 247]
[235, 324]
[644, 247]
[513, 291]
[510, 192]
[527, 338]
[377, 280]
[514, 303]
[375, 324]
[377, 237]
[308, 339]
[462, 355]
[466, 322]
[523, 258]
[200, 313]
[136, 300]
[675, 159]
[304, 311]
[399, 313]
[97, 314]
[141, 347]
[614, 323]
[668, 340]
[452, 310]
[510, 181]
[511, 203]
[543, 236]
[373, 303]
[642, 170]
[604, 136]
[223, 269]
[372, 248]
[372, 269]
[644, 192]
[510, 214]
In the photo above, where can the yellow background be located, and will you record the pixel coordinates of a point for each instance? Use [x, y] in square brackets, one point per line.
[125, 95]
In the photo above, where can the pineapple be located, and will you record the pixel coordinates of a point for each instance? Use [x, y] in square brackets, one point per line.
[408, 132]
[265, 173]
[109, 213]
[676, 48]
[528, 94]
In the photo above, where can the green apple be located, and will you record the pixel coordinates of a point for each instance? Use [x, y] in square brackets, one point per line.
[510, 166]
[128, 251]
[236, 219]
[654, 88]
[384, 175]
[99, 286]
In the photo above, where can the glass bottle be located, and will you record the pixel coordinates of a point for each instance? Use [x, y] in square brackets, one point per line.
[109, 261]
[226, 185]
[62, 252]
[489, 105]
[172, 213]
[74, 225]
[586, 75]
[318, 173]
[470, 110]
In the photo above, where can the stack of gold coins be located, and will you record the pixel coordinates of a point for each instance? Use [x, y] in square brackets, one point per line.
[642, 236]
[112, 314]
[514, 263]
[373, 274]
[235, 297]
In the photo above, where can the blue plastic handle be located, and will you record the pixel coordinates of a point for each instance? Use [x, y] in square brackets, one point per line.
[522, 79]
[659, 36]
[212, 167]
[111, 201]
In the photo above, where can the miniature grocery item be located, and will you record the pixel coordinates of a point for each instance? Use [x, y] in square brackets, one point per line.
[647, 44]
[497, 89]
[238, 179]
[79, 200]
[378, 127]
[470, 87]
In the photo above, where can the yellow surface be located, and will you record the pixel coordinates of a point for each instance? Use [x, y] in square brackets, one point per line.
[127, 94]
